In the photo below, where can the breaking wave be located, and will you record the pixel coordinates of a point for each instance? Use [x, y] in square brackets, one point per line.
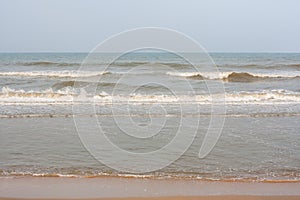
[223, 76]
[54, 74]
[233, 76]
[244, 77]
[68, 95]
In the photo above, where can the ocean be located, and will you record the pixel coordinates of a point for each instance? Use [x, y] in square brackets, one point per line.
[139, 102]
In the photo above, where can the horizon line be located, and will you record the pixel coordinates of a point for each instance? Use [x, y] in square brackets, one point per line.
[151, 52]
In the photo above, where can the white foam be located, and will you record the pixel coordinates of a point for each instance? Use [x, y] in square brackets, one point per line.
[60, 74]
[68, 95]
[206, 75]
[10, 95]
[225, 75]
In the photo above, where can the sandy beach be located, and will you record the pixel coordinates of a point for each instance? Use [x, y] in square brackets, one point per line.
[244, 197]
[136, 188]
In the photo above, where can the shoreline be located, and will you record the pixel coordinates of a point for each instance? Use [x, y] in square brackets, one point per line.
[151, 177]
[128, 188]
[221, 197]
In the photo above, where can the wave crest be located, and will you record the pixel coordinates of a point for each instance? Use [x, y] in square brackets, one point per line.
[232, 76]
[242, 77]
[55, 74]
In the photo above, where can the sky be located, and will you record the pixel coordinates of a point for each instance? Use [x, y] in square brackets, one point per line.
[218, 25]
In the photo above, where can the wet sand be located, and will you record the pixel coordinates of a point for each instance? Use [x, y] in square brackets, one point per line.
[137, 188]
[221, 197]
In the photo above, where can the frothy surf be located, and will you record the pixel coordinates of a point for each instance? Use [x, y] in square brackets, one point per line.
[279, 179]
[54, 74]
[223, 76]
[69, 95]
[234, 76]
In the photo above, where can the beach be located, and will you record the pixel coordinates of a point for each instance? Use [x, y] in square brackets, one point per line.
[149, 100]
[132, 188]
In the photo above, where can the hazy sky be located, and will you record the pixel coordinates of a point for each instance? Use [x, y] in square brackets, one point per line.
[219, 25]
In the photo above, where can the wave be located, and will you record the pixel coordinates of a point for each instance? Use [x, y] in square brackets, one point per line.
[243, 77]
[54, 74]
[290, 178]
[118, 63]
[68, 95]
[49, 95]
[223, 76]
[233, 76]
[259, 66]
[65, 84]
[133, 63]
[46, 63]
[294, 65]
